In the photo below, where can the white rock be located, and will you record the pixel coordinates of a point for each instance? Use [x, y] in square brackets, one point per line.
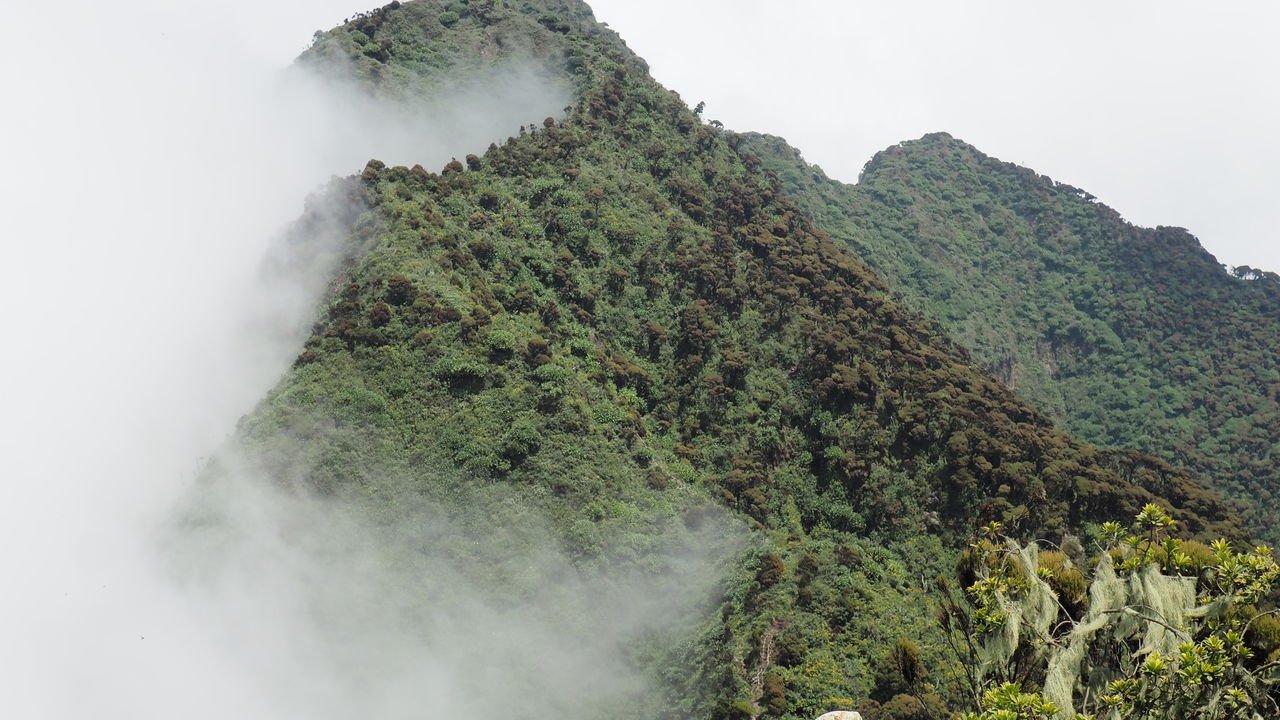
[841, 715]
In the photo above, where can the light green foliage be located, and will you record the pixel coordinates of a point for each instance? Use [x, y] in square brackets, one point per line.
[500, 341]
[1008, 702]
[1245, 578]
[1150, 644]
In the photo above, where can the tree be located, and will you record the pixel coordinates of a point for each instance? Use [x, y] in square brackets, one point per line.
[1163, 634]
[1007, 702]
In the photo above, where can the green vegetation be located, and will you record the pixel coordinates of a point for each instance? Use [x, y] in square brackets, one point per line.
[1127, 337]
[422, 49]
[616, 322]
[1169, 628]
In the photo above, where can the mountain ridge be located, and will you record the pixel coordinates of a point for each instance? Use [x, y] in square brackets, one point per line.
[617, 321]
[1126, 336]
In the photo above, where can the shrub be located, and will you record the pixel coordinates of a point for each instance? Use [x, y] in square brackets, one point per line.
[455, 368]
[770, 571]
[900, 673]
[847, 556]
[521, 439]
[449, 17]
[791, 648]
[643, 456]
[581, 346]
[1199, 555]
[583, 539]
[775, 695]
[910, 707]
[380, 314]
[806, 570]
[538, 347]
[500, 342]
[632, 398]
[606, 413]
[1264, 637]
[1068, 583]
[400, 290]
[551, 373]
[445, 314]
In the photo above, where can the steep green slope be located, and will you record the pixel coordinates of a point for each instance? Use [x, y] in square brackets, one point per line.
[1127, 337]
[618, 323]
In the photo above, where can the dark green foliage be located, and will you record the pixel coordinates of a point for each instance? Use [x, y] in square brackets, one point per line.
[774, 697]
[380, 314]
[1263, 637]
[419, 49]
[901, 672]
[621, 319]
[771, 570]
[400, 290]
[910, 707]
[1125, 336]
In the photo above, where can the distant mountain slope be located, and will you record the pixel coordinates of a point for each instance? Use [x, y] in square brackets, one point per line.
[1127, 337]
[619, 320]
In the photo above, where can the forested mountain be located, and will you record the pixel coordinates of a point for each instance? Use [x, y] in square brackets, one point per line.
[619, 323]
[1125, 336]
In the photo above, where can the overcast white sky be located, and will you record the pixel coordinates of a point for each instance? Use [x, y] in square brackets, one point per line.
[151, 151]
[1165, 109]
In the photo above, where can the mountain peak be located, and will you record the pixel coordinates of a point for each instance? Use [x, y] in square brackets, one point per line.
[417, 49]
[619, 322]
[1116, 331]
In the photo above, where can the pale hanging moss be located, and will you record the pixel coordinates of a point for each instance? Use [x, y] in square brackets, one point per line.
[1148, 645]
[1032, 610]
[1146, 604]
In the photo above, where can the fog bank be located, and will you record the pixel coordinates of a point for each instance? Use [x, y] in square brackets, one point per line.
[155, 157]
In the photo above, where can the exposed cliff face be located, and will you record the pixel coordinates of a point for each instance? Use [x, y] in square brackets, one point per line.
[618, 323]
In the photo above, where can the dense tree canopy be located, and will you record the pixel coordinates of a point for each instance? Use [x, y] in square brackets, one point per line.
[1127, 337]
[617, 319]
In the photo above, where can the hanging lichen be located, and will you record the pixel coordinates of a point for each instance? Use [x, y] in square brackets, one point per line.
[1163, 635]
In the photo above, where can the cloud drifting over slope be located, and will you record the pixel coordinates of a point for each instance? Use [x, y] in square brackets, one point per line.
[155, 153]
